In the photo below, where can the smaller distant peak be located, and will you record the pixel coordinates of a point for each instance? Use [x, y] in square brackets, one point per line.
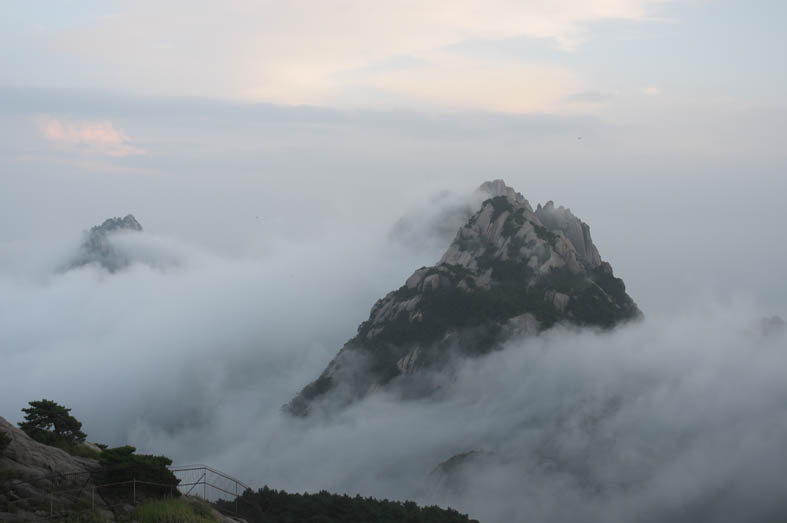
[97, 246]
[128, 223]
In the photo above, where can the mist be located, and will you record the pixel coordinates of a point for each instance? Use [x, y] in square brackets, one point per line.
[191, 352]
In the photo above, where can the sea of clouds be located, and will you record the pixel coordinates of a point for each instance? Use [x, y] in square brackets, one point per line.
[191, 353]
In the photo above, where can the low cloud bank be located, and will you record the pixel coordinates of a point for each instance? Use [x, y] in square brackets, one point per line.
[190, 354]
[679, 418]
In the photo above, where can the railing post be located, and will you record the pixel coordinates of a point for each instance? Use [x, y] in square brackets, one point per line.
[93, 498]
[134, 491]
[51, 504]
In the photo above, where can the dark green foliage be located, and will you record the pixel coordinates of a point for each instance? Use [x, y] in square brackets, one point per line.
[545, 234]
[514, 222]
[51, 424]
[5, 440]
[468, 244]
[319, 386]
[510, 272]
[456, 309]
[510, 228]
[81, 450]
[455, 272]
[563, 280]
[272, 506]
[403, 293]
[300, 404]
[453, 463]
[453, 308]
[174, 511]
[500, 205]
[514, 245]
[121, 464]
[603, 301]
[599, 299]
[486, 258]
[86, 516]
[478, 315]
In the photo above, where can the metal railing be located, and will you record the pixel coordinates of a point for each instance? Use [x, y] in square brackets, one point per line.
[61, 502]
[60, 493]
[216, 485]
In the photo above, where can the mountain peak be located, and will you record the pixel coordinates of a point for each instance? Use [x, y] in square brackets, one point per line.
[498, 187]
[128, 223]
[97, 248]
[510, 271]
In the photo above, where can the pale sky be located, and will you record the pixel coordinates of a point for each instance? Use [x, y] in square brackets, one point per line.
[562, 56]
[198, 116]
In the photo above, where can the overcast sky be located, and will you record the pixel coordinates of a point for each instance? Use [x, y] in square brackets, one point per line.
[267, 148]
[660, 123]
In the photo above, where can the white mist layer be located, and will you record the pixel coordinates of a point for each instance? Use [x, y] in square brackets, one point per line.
[678, 418]
[192, 355]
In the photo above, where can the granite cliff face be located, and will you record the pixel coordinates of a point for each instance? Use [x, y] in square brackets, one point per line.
[510, 271]
[97, 247]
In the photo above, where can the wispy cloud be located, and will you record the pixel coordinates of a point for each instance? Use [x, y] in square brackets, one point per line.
[313, 52]
[93, 138]
[457, 82]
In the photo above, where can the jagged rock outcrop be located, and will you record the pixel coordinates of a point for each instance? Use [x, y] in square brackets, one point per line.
[510, 271]
[97, 247]
[30, 471]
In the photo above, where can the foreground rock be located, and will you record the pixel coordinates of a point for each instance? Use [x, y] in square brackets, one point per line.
[31, 471]
[511, 271]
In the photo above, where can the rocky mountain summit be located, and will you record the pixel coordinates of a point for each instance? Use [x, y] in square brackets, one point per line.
[510, 271]
[97, 248]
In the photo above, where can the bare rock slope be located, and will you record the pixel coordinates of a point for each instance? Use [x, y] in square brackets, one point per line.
[31, 471]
